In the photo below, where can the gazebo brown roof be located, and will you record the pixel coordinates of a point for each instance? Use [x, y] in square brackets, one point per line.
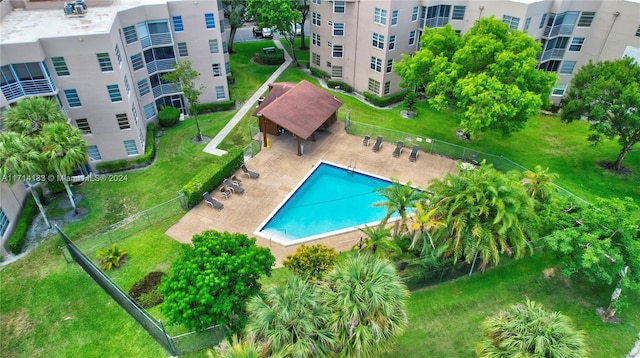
[299, 108]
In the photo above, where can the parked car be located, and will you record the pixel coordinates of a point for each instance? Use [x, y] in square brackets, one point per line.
[264, 32]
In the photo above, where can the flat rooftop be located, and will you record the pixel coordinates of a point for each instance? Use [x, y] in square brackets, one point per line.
[20, 25]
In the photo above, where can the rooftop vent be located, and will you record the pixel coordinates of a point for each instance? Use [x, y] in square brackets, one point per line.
[76, 7]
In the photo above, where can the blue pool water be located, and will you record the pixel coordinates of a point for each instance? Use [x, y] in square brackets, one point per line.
[331, 199]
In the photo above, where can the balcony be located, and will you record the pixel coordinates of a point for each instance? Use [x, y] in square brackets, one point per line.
[160, 65]
[18, 89]
[156, 40]
[557, 53]
[165, 89]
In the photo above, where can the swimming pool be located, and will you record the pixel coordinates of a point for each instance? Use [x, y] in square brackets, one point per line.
[330, 200]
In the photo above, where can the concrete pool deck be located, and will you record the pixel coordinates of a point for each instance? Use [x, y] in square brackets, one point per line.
[280, 171]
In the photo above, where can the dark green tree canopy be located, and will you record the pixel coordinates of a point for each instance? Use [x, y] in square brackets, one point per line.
[607, 94]
[212, 280]
[283, 15]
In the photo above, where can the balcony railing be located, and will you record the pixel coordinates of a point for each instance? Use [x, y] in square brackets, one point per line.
[436, 22]
[556, 53]
[558, 30]
[156, 40]
[164, 89]
[160, 65]
[19, 89]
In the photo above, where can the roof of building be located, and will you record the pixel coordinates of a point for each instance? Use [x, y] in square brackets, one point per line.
[301, 108]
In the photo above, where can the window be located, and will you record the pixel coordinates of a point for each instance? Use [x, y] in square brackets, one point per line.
[217, 70]
[72, 98]
[135, 114]
[567, 67]
[114, 93]
[182, 49]
[105, 62]
[177, 24]
[126, 84]
[389, 65]
[437, 16]
[377, 41]
[94, 153]
[544, 17]
[387, 88]
[213, 46]
[394, 17]
[638, 31]
[317, 2]
[315, 39]
[336, 72]
[374, 86]
[315, 59]
[227, 67]
[376, 64]
[392, 42]
[130, 34]
[220, 92]
[458, 12]
[221, 25]
[338, 7]
[576, 44]
[4, 222]
[338, 29]
[412, 37]
[143, 86]
[586, 18]
[210, 21]
[225, 48]
[329, 44]
[513, 22]
[130, 147]
[116, 50]
[315, 19]
[328, 64]
[559, 89]
[60, 66]
[83, 125]
[123, 121]
[136, 61]
[527, 22]
[414, 14]
[337, 51]
[550, 66]
[149, 111]
[380, 16]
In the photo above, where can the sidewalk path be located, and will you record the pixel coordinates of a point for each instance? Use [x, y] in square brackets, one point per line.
[212, 147]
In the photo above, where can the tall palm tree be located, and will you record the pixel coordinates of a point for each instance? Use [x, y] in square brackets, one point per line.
[539, 183]
[290, 320]
[398, 198]
[377, 241]
[487, 213]
[29, 116]
[366, 300]
[528, 330]
[19, 160]
[63, 149]
[423, 223]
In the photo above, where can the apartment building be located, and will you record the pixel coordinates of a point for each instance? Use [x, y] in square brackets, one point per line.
[103, 61]
[358, 41]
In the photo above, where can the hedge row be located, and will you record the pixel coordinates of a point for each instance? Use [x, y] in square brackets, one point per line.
[16, 241]
[214, 106]
[141, 161]
[212, 175]
[343, 86]
[318, 72]
[168, 116]
[384, 101]
[275, 58]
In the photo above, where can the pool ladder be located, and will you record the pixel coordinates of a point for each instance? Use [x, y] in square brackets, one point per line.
[352, 166]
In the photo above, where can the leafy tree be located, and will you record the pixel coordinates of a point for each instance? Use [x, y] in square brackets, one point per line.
[212, 280]
[63, 149]
[186, 76]
[486, 212]
[378, 241]
[528, 330]
[398, 198]
[283, 15]
[236, 12]
[311, 261]
[603, 243]
[489, 74]
[18, 161]
[366, 302]
[290, 320]
[410, 101]
[29, 115]
[303, 7]
[607, 94]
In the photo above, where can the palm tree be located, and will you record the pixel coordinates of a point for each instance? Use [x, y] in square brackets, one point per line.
[29, 115]
[528, 330]
[19, 160]
[63, 149]
[539, 183]
[377, 241]
[366, 301]
[290, 320]
[237, 348]
[487, 213]
[423, 222]
[398, 198]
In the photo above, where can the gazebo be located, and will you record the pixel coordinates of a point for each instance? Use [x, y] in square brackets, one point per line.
[299, 108]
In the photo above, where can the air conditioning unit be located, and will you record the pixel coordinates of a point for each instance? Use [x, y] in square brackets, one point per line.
[76, 7]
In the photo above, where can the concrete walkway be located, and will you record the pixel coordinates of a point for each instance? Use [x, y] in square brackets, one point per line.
[212, 147]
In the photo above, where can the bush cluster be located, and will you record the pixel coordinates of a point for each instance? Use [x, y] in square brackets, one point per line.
[214, 106]
[168, 116]
[212, 175]
[276, 58]
[384, 101]
[343, 86]
[16, 241]
[141, 161]
[318, 72]
[146, 291]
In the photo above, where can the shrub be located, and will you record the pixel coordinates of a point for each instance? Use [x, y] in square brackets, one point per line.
[17, 239]
[343, 86]
[141, 161]
[55, 186]
[311, 260]
[111, 257]
[146, 291]
[275, 58]
[384, 101]
[211, 176]
[318, 72]
[168, 116]
[410, 101]
[214, 106]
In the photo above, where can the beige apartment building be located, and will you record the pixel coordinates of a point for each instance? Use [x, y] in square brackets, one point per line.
[358, 41]
[103, 61]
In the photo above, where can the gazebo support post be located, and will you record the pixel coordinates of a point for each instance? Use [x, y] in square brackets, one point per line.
[299, 146]
[263, 121]
[313, 137]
